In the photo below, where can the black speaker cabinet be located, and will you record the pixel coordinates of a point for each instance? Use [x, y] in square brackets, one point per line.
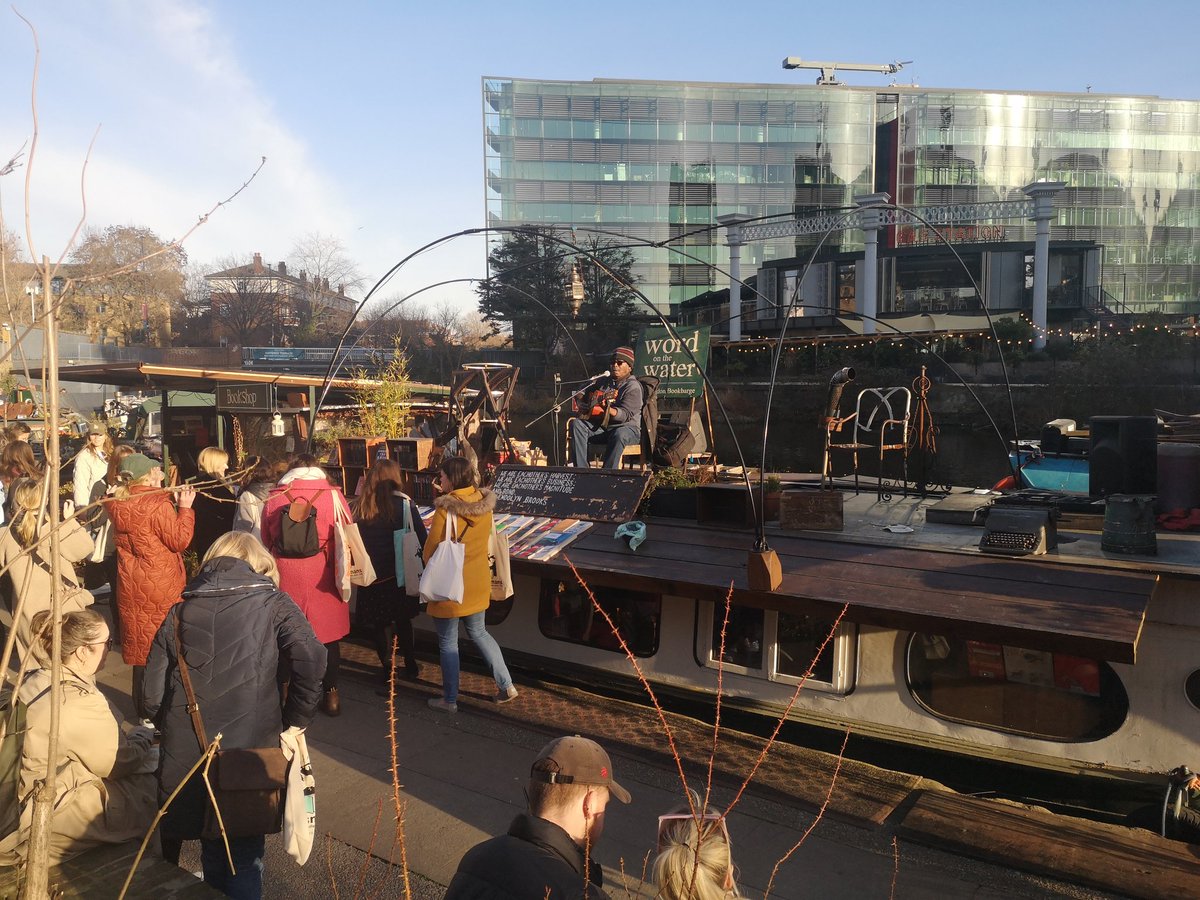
[1123, 458]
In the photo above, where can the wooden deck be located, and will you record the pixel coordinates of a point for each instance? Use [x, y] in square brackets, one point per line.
[102, 871]
[1082, 610]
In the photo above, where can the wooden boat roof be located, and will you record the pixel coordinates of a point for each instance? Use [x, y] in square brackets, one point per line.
[1081, 609]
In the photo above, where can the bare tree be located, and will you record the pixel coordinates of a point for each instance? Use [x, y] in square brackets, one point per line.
[118, 300]
[192, 317]
[329, 276]
[244, 305]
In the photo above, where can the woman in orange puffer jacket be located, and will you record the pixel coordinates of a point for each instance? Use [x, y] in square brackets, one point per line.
[151, 535]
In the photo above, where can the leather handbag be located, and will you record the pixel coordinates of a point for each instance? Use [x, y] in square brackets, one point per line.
[248, 783]
[443, 575]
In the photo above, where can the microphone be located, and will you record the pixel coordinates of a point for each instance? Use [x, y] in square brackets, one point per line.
[603, 374]
[589, 383]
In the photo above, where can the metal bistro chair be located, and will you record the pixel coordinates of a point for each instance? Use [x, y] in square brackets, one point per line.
[879, 425]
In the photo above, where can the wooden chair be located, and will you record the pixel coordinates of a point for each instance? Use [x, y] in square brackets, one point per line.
[878, 425]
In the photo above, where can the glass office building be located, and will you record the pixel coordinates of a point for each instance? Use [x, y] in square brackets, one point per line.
[660, 161]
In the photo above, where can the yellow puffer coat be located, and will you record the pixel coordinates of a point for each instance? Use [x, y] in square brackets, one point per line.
[473, 507]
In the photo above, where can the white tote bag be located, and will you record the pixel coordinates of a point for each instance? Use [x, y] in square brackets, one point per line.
[352, 564]
[443, 575]
[300, 797]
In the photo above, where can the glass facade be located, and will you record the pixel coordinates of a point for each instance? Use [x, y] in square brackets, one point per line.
[651, 162]
[1131, 168]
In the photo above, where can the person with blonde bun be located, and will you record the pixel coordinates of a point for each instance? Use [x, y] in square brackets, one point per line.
[25, 552]
[695, 859]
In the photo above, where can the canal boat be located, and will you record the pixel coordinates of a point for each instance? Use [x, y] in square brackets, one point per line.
[1076, 661]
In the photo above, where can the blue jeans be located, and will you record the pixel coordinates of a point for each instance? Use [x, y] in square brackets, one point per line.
[447, 632]
[615, 438]
[247, 855]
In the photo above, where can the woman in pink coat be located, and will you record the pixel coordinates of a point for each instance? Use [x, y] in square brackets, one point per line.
[310, 581]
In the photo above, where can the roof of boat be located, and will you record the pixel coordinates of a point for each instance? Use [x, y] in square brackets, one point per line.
[923, 576]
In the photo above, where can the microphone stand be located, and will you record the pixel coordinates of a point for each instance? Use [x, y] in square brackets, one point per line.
[557, 390]
[553, 410]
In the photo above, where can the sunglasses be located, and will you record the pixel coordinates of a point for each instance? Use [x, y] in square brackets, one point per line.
[709, 822]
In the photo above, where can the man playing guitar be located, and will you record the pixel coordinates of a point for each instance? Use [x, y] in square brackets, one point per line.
[613, 416]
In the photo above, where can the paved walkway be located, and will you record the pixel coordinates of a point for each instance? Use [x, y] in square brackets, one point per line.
[462, 778]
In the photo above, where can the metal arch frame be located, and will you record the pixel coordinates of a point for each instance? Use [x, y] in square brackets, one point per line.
[927, 215]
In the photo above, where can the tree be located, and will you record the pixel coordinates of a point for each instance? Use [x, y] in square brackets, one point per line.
[327, 272]
[526, 288]
[611, 304]
[192, 319]
[126, 285]
[244, 306]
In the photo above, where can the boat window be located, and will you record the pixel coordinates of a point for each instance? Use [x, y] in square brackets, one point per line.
[743, 637]
[1051, 696]
[1191, 688]
[566, 613]
[780, 646]
[799, 639]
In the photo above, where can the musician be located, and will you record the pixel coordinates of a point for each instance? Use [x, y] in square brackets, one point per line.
[615, 420]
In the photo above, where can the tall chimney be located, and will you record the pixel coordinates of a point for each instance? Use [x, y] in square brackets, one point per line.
[258, 266]
[282, 267]
[341, 290]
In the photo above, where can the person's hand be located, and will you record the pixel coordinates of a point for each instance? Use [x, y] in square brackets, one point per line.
[187, 496]
[1194, 784]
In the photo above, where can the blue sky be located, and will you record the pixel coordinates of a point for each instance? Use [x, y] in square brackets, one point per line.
[370, 113]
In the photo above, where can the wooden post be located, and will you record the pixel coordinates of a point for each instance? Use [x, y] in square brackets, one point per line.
[37, 865]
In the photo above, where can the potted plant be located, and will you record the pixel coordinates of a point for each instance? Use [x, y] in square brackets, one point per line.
[772, 490]
[672, 495]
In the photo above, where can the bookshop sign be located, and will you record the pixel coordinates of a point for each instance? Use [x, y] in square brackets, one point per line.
[677, 357]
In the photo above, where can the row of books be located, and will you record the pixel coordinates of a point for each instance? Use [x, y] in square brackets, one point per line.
[531, 537]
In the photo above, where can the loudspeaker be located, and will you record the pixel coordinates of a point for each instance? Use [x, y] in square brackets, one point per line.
[1123, 458]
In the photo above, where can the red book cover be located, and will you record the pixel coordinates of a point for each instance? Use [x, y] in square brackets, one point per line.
[1076, 674]
[985, 660]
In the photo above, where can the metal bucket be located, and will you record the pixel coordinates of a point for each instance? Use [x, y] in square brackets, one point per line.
[1129, 525]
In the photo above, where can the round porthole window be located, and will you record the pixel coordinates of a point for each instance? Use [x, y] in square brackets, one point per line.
[1191, 688]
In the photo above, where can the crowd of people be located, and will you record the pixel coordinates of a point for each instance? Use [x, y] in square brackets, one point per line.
[259, 631]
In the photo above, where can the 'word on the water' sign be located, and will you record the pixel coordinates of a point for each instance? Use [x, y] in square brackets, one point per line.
[677, 357]
[597, 495]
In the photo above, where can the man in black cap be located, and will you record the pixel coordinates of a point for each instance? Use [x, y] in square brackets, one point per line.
[547, 853]
[616, 422]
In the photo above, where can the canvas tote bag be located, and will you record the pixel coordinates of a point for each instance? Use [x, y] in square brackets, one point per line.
[443, 576]
[352, 565]
[502, 587]
[408, 554]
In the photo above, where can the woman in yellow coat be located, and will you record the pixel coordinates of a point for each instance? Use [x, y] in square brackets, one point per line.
[472, 507]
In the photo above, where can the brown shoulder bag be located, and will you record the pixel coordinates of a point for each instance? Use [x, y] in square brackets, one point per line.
[247, 783]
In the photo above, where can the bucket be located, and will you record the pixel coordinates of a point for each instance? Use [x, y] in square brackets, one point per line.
[1129, 525]
[1178, 477]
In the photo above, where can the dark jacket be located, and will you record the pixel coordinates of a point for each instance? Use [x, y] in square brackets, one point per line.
[536, 860]
[377, 535]
[235, 626]
[214, 506]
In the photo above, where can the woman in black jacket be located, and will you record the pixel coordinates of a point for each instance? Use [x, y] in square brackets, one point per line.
[384, 607]
[216, 501]
[235, 626]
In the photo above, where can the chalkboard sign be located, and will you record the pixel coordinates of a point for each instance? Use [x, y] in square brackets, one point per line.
[560, 492]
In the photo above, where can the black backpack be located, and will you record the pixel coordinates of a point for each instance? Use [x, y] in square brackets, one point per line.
[673, 444]
[297, 529]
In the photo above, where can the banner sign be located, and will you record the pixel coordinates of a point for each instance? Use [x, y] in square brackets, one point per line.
[244, 397]
[277, 354]
[668, 354]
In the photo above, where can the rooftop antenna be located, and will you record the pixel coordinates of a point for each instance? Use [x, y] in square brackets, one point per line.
[828, 74]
